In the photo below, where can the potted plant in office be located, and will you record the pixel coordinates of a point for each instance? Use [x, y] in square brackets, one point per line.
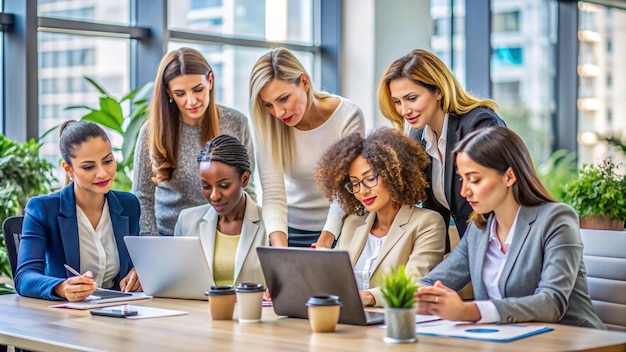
[23, 174]
[398, 289]
[599, 196]
[109, 114]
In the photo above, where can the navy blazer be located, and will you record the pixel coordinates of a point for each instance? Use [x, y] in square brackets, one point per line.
[50, 239]
[458, 127]
[543, 278]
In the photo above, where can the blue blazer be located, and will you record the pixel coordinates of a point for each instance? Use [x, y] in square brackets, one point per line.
[50, 239]
[543, 278]
[458, 127]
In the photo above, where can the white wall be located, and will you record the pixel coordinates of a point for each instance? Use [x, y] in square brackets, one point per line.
[377, 32]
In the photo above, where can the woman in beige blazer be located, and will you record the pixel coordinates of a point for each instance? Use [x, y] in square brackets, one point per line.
[230, 226]
[382, 175]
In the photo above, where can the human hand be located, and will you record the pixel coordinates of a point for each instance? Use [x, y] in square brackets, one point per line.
[367, 298]
[325, 240]
[77, 288]
[266, 295]
[130, 282]
[278, 239]
[445, 303]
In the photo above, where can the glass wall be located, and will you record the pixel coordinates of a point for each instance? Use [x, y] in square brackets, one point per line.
[448, 41]
[523, 36]
[65, 60]
[602, 81]
[271, 20]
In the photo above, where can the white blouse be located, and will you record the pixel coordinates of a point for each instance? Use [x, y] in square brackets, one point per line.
[365, 264]
[98, 248]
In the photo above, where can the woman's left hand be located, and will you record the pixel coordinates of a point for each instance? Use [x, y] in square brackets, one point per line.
[130, 282]
[445, 303]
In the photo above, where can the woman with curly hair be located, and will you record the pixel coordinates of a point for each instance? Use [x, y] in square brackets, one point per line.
[382, 175]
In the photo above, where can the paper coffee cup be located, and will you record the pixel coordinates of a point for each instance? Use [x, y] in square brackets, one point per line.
[250, 302]
[221, 302]
[323, 312]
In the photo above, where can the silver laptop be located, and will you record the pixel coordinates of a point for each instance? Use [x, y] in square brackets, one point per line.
[172, 267]
[295, 274]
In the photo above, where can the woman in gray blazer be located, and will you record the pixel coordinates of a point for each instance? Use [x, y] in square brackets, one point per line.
[522, 250]
[230, 226]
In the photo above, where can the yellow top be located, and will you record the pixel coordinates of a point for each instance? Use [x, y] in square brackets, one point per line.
[224, 258]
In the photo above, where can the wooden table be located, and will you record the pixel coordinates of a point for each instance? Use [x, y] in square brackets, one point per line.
[31, 324]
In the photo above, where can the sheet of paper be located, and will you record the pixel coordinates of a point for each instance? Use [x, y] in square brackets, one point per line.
[104, 302]
[149, 312]
[424, 318]
[487, 332]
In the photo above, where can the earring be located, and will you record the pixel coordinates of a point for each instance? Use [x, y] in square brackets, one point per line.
[171, 100]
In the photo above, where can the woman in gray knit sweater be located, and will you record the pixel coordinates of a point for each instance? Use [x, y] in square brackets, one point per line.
[183, 117]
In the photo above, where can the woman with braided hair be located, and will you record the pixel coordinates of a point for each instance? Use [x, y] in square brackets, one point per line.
[230, 226]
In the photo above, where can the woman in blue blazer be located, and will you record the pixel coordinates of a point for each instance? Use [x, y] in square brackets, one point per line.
[522, 250]
[419, 90]
[83, 225]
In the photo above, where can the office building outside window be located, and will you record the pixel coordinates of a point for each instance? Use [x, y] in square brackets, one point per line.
[523, 35]
[602, 81]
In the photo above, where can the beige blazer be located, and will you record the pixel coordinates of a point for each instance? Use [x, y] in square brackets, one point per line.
[417, 239]
[202, 221]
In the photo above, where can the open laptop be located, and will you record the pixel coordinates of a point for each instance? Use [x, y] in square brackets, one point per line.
[172, 267]
[295, 274]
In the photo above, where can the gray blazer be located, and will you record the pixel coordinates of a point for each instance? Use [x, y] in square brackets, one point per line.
[544, 276]
[202, 221]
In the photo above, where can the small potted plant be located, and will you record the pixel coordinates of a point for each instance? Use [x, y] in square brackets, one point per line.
[599, 196]
[398, 289]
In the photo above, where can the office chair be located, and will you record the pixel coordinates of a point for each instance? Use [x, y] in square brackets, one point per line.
[12, 230]
[605, 261]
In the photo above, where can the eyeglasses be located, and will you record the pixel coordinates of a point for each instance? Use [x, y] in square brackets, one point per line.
[369, 181]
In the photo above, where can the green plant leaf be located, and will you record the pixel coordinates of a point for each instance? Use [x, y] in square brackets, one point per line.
[105, 120]
[399, 288]
[74, 107]
[96, 85]
[112, 107]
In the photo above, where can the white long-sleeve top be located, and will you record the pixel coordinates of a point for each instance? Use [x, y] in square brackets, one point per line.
[292, 198]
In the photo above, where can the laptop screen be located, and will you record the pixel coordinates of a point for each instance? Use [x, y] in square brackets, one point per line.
[295, 274]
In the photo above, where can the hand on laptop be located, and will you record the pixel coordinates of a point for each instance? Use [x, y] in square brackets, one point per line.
[325, 240]
[266, 295]
[130, 282]
[76, 288]
[367, 298]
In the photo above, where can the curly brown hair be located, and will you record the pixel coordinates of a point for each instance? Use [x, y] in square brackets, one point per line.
[398, 159]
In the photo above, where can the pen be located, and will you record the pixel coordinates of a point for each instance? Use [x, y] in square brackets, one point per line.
[75, 272]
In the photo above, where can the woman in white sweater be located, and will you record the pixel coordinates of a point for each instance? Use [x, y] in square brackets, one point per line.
[294, 124]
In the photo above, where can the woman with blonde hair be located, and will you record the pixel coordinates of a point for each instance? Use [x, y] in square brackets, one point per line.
[294, 124]
[419, 90]
[183, 117]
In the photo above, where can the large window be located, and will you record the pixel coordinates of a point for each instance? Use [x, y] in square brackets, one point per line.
[271, 20]
[109, 11]
[602, 81]
[522, 69]
[448, 41]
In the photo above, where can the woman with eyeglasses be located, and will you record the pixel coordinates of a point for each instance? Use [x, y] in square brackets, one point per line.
[183, 117]
[381, 175]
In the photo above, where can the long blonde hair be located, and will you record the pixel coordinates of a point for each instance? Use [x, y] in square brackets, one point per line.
[279, 63]
[164, 131]
[427, 70]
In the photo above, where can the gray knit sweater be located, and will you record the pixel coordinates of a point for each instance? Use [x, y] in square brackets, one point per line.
[161, 203]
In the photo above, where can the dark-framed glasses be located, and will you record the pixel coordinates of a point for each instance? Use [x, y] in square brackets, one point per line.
[369, 181]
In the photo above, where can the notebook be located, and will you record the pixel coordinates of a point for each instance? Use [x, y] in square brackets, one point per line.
[295, 274]
[171, 267]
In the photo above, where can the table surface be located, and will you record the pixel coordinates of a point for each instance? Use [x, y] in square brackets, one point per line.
[32, 324]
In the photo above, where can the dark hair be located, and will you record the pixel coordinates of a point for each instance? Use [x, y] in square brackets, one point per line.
[397, 158]
[74, 133]
[165, 116]
[228, 150]
[499, 148]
